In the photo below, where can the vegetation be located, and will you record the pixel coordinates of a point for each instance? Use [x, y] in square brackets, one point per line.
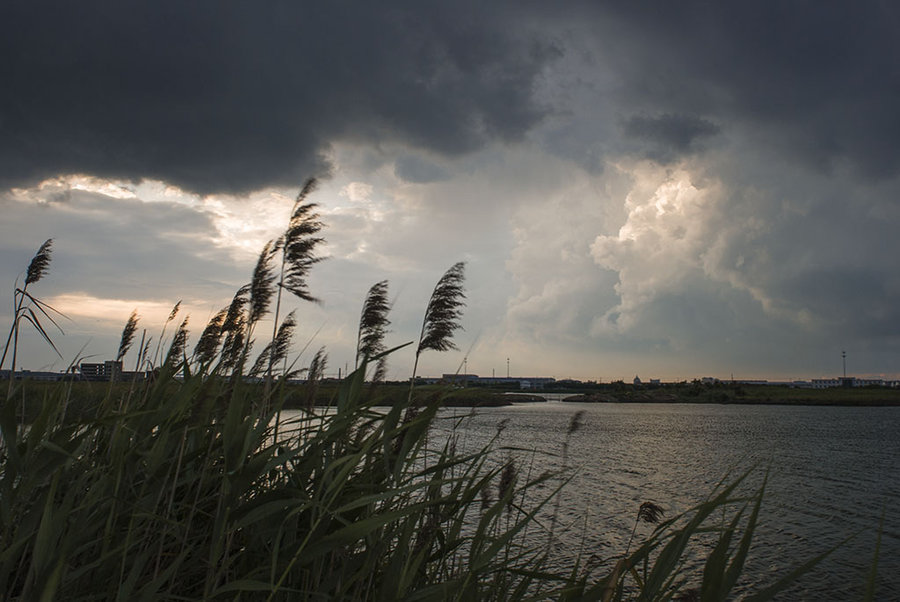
[737, 393]
[187, 485]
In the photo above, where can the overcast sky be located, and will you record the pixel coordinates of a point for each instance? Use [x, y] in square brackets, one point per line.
[670, 190]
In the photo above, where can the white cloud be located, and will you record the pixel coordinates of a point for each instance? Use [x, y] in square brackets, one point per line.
[358, 192]
[662, 244]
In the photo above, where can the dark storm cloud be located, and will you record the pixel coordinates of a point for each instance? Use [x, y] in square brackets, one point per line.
[819, 80]
[667, 137]
[418, 170]
[231, 96]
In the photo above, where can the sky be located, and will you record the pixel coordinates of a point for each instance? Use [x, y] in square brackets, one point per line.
[668, 190]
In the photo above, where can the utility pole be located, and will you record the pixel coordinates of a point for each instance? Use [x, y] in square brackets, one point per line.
[507, 367]
[844, 359]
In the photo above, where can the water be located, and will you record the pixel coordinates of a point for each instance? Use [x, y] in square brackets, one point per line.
[832, 472]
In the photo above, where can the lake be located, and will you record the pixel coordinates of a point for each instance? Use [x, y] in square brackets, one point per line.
[832, 472]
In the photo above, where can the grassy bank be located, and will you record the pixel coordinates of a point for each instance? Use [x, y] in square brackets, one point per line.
[191, 489]
[741, 394]
[85, 397]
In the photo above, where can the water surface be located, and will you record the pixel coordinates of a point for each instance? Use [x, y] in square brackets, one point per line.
[832, 472]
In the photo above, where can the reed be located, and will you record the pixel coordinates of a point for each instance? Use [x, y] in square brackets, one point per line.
[30, 309]
[442, 316]
[373, 323]
[193, 488]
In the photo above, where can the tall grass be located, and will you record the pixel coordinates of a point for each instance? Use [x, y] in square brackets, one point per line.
[186, 486]
[184, 495]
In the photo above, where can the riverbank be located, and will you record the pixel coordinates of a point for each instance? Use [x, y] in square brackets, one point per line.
[742, 394]
[84, 396]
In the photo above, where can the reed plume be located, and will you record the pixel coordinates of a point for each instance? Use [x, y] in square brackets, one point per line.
[380, 372]
[179, 341]
[373, 322]
[282, 341]
[314, 375]
[233, 329]
[297, 246]
[40, 263]
[486, 498]
[442, 315]
[143, 350]
[210, 338]
[262, 286]
[444, 311]
[506, 486]
[162, 335]
[24, 305]
[276, 351]
[127, 335]
[175, 309]
[317, 365]
[648, 513]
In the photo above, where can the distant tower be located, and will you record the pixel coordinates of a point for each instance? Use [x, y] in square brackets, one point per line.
[507, 367]
[844, 359]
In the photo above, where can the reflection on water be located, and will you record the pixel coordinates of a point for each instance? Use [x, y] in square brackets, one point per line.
[832, 473]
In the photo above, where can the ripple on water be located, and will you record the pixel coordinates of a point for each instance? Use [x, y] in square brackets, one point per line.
[832, 471]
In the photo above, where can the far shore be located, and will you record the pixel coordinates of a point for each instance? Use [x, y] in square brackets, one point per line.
[741, 394]
[86, 395]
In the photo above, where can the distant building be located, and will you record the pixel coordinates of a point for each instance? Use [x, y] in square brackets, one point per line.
[33, 375]
[637, 380]
[849, 382]
[523, 382]
[108, 370]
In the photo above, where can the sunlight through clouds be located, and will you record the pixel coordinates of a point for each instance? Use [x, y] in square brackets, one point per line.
[114, 312]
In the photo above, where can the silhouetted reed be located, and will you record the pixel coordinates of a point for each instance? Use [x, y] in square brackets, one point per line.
[195, 494]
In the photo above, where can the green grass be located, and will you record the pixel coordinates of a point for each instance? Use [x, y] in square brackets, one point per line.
[741, 394]
[179, 490]
[191, 486]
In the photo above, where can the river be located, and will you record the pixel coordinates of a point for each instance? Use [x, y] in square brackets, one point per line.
[832, 472]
